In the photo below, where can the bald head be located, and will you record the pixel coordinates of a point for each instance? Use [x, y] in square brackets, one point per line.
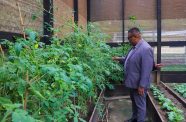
[134, 35]
[134, 30]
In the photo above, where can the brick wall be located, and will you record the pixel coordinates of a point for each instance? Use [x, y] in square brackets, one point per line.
[32, 15]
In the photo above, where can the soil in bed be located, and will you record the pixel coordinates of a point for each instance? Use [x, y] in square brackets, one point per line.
[172, 98]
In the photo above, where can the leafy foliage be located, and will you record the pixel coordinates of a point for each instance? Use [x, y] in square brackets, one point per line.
[174, 114]
[54, 82]
[181, 89]
[20, 115]
[118, 75]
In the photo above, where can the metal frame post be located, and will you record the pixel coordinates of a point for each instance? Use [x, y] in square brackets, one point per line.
[76, 12]
[48, 22]
[158, 38]
[123, 20]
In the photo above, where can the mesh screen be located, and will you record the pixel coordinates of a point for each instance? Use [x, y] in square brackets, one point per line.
[173, 20]
[108, 15]
[174, 58]
[105, 10]
[112, 9]
[82, 12]
[63, 16]
[113, 28]
[109, 12]
[142, 14]
[31, 12]
[142, 9]
[173, 17]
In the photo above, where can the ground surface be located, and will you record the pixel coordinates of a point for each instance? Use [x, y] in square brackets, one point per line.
[119, 110]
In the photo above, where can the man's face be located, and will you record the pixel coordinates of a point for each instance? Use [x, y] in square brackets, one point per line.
[131, 38]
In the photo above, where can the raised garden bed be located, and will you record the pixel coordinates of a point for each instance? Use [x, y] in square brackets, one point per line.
[155, 113]
[169, 107]
[179, 89]
[93, 115]
[152, 110]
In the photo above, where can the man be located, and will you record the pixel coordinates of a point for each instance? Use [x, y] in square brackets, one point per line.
[138, 65]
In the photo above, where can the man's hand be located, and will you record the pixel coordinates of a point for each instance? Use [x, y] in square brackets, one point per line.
[117, 58]
[158, 66]
[141, 91]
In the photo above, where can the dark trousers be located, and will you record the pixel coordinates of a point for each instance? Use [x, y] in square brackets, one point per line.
[138, 105]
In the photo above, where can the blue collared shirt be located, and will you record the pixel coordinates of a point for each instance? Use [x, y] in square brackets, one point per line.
[131, 51]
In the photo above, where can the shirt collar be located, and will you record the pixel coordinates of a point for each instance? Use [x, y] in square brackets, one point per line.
[138, 44]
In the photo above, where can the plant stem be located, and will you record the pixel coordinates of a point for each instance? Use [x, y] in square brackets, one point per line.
[37, 78]
[1, 49]
[6, 115]
[26, 92]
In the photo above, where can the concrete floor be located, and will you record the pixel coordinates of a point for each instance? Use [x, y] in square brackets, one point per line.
[119, 110]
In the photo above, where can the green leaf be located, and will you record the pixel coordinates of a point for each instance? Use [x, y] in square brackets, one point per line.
[110, 86]
[34, 16]
[18, 48]
[75, 119]
[82, 120]
[62, 75]
[11, 58]
[7, 103]
[20, 115]
[21, 86]
[166, 106]
[51, 70]
[31, 34]
[175, 117]
[69, 110]
[37, 93]
[12, 106]
[171, 116]
[184, 95]
[4, 100]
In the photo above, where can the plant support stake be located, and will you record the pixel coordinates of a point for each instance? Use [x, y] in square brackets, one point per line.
[21, 20]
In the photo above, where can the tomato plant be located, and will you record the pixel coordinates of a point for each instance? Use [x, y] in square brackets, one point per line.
[54, 82]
